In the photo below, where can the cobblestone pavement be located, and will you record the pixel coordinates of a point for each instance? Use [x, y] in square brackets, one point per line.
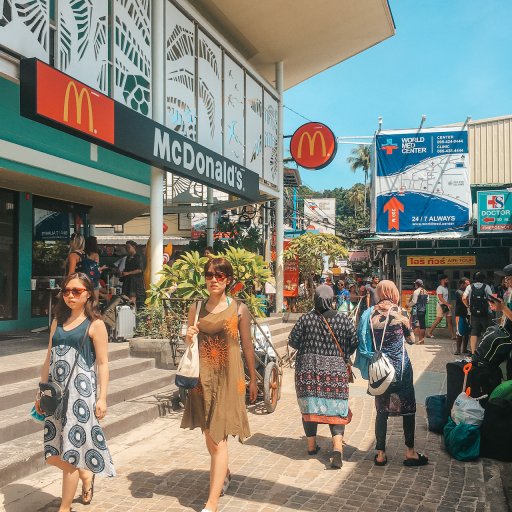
[163, 468]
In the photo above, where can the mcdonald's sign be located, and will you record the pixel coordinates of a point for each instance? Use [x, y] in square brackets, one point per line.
[62, 99]
[313, 145]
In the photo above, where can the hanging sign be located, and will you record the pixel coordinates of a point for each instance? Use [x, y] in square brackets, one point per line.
[494, 211]
[422, 181]
[313, 145]
[58, 100]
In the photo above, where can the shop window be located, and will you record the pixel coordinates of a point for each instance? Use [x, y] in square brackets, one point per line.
[8, 255]
[53, 224]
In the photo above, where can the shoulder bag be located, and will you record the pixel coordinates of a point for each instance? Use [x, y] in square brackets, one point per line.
[348, 364]
[53, 398]
[380, 369]
[187, 375]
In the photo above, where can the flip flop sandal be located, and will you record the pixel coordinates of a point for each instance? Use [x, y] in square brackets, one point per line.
[422, 460]
[87, 493]
[380, 463]
[337, 460]
[227, 482]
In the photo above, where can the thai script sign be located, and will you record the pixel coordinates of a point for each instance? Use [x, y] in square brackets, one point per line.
[441, 261]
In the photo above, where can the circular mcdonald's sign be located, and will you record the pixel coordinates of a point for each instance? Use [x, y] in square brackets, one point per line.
[313, 145]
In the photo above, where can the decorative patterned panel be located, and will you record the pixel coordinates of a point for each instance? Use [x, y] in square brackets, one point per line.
[234, 103]
[253, 125]
[270, 139]
[132, 54]
[24, 27]
[82, 36]
[209, 88]
[180, 73]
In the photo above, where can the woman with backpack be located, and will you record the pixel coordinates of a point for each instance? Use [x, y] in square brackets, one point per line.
[75, 255]
[91, 264]
[388, 327]
[418, 303]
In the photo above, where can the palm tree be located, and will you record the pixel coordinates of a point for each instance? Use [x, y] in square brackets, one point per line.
[360, 159]
[356, 196]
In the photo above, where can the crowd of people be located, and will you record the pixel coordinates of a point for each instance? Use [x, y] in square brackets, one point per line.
[325, 338]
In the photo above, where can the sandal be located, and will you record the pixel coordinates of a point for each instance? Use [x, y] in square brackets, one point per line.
[86, 493]
[227, 481]
[337, 460]
[380, 463]
[315, 451]
[422, 460]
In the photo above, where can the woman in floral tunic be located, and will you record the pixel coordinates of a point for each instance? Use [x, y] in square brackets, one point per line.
[217, 404]
[321, 373]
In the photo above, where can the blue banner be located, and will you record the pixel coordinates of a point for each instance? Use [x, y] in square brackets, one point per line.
[422, 181]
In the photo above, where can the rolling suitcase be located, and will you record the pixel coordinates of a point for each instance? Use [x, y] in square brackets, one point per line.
[125, 323]
[482, 379]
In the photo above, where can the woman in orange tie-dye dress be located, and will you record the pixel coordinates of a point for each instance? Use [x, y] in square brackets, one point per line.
[217, 404]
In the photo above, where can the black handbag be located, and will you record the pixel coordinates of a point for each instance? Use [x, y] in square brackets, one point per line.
[53, 398]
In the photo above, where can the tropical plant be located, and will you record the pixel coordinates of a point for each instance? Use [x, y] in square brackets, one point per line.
[356, 197]
[185, 278]
[310, 249]
[360, 158]
[151, 322]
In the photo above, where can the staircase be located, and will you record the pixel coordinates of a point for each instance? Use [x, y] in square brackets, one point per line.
[138, 393]
[135, 380]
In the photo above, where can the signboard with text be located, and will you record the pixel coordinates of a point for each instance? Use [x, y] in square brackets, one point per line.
[441, 261]
[422, 181]
[494, 211]
[58, 100]
[313, 146]
[320, 215]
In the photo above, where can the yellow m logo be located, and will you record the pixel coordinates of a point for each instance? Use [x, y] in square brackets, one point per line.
[311, 140]
[78, 104]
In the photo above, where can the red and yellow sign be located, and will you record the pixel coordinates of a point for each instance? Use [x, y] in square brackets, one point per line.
[313, 146]
[73, 104]
[441, 261]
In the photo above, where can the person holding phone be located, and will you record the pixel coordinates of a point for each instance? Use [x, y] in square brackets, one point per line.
[217, 404]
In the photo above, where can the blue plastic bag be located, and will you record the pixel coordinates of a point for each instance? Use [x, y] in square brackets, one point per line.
[462, 441]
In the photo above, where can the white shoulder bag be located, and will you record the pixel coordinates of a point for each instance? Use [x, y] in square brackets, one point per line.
[380, 370]
[187, 375]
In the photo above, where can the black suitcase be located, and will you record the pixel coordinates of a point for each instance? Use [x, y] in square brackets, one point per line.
[495, 439]
[482, 379]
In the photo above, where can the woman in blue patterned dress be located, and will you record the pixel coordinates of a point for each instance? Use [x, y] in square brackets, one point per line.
[75, 443]
[389, 320]
[321, 374]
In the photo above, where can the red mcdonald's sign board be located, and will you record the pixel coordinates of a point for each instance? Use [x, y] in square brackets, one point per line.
[62, 99]
[290, 275]
[313, 145]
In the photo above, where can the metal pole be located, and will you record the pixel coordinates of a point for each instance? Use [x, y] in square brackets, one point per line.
[209, 217]
[280, 182]
[156, 207]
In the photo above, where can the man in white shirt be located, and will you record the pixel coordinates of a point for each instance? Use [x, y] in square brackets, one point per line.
[475, 298]
[443, 308]
[418, 303]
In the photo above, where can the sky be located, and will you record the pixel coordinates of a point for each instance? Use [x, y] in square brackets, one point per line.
[447, 60]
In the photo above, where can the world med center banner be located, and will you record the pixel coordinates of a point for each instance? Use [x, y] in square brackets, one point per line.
[422, 181]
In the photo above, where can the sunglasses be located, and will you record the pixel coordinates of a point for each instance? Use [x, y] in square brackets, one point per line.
[219, 276]
[76, 292]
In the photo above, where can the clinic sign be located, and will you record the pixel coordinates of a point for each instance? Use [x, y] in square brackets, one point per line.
[494, 211]
[313, 146]
[421, 181]
[58, 100]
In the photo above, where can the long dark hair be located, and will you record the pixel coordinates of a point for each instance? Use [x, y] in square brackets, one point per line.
[221, 265]
[61, 309]
[91, 245]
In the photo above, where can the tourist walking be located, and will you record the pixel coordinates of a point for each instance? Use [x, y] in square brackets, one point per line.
[133, 278]
[443, 308]
[418, 303]
[324, 340]
[342, 297]
[475, 298]
[388, 330]
[217, 403]
[370, 291]
[75, 255]
[73, 439]
[461, 319]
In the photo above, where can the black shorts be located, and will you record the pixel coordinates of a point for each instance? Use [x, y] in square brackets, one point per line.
[421, 320]
[479, 324]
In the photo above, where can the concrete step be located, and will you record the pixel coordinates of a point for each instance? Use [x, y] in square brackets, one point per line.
[280, 341]
[11, 395]
[16, 422]
[269, 320]
[24, 455]
[280, 328]
[27, 365]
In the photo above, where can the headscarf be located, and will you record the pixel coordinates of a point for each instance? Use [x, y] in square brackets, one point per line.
[387, 295]
[324, 296]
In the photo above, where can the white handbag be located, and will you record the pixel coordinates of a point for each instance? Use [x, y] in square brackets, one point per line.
[187, 375]
[381, 372]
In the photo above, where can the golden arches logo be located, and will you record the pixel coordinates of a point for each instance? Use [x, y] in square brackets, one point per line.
[311, 140]
[79, 98]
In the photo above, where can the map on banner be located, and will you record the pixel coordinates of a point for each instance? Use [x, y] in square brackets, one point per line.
[422, 181]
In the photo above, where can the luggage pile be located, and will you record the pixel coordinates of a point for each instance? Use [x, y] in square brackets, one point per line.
[475, 415]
